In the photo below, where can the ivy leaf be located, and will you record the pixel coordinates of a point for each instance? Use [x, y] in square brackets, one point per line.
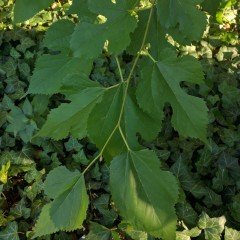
[10, 232]
[213, 227]
[25, 9]
[147, 195]
[72, 118]
[231, 234]
[58, 35]
[187, 234]
[68, 209]
[83, 42]
[184, 15]
[51, 70]
[97, 232]
[160, 83]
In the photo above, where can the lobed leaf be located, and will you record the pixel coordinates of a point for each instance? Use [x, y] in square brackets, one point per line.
[183, 15]
[84, 42]
[160, 83]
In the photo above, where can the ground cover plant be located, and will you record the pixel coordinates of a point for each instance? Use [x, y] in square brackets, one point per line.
[195, 181]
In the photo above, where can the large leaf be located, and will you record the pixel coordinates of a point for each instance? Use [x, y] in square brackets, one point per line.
[160, 83]
[136, 121]
[103, 120]
[84, 42]
[58, 35]
[146, 195]
[184, 15]
[80, 7]
[155, 37]
[51, 70]
[72, 118]
[25, 9]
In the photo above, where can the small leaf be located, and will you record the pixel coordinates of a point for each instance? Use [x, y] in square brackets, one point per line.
[213, 227]
[10, 232]
[68, 209]
[231, 234]
[97, 232]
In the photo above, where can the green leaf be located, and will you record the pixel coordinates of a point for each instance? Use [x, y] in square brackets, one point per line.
[72, 118]
[160, 83]
[44, 225]
[211, 6]
[134, 234]
[80, 7]
[213, 227]
[10, 232]
[59, 180]
[231, 234]
[83, 42]
[68, 209]
[187, 234]
[155, 37]
[184, 15]
[97, 232]
[51, 71]
[25, 9]
[146, 195]
[135, 120]
[58, 35]
[106, 113]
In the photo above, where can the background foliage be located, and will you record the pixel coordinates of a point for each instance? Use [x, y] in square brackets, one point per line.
[210, 200]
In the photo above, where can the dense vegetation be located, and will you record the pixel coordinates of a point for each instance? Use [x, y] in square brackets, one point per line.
[209, 189]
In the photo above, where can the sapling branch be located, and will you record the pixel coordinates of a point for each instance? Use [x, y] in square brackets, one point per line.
[118, 125]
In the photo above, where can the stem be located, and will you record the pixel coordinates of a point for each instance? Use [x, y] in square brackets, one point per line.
[151, 57]
[124, 96]
[124, 139]
[134, 65]
[119, 69]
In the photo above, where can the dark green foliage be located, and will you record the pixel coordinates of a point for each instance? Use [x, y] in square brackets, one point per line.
[209, 177]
